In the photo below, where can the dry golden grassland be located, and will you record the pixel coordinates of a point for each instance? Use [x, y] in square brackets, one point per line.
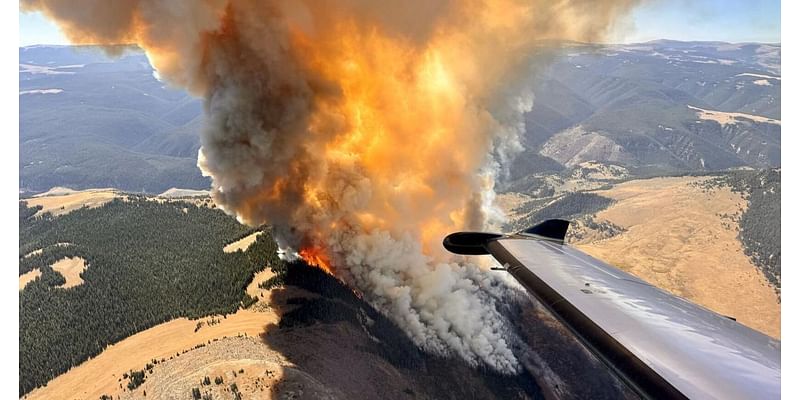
[59, 201]
[100, 375]
[28, 277]
[242, 244]
[678, 238]
[70, 268]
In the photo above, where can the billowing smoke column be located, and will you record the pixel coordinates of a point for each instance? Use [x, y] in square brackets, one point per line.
[364, 131]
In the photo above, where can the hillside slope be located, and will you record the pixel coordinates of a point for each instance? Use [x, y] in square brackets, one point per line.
[642, 106]
[307, 334]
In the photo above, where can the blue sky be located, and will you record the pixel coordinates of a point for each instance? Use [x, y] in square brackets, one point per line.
[36, 29]
[730, 21]
[723, 20]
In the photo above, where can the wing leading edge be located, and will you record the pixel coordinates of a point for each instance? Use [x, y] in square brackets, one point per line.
[662, 345]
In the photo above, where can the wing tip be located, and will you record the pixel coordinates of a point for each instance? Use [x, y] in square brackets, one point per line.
[555, 229]
[469, 243]
[475, 243]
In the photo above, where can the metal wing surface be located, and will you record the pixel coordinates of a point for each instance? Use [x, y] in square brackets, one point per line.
[663, 346]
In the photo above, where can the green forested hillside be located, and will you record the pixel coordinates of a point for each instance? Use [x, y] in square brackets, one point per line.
[146, 263]
[569, 205]
[760, 225]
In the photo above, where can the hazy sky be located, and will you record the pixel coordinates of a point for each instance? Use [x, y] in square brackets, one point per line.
[725, 20]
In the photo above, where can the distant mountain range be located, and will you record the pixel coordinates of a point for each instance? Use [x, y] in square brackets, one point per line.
[87, 120]
[657, 107]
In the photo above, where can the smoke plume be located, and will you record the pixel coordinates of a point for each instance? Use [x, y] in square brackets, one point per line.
[363, 131]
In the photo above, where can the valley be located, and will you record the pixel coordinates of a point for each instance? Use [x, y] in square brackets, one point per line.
[678, 233]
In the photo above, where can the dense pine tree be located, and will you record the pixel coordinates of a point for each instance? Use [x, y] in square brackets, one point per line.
[760, 224]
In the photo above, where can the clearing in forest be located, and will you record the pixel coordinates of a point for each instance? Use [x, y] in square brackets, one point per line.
[242, 244]
[28, 277]
[70, 268]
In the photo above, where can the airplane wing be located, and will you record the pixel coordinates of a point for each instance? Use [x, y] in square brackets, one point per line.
[663, 346]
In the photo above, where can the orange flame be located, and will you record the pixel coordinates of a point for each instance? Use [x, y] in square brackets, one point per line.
[316, 256]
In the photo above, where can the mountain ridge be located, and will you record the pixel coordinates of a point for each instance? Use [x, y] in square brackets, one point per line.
[631, 100]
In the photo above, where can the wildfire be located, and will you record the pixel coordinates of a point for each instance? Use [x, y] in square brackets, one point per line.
[362, 131]
[374, 115]
[316, 257]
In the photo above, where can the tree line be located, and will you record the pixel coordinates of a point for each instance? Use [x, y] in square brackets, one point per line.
[567, 206]
[760, 224]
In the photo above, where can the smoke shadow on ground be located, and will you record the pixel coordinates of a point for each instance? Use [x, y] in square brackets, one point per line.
[564, 368]
[353, 351]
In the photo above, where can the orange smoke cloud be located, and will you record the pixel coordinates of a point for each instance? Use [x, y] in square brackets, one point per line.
[363, 131]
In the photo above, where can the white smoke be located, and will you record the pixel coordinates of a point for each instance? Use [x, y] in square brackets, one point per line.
[444, 307]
